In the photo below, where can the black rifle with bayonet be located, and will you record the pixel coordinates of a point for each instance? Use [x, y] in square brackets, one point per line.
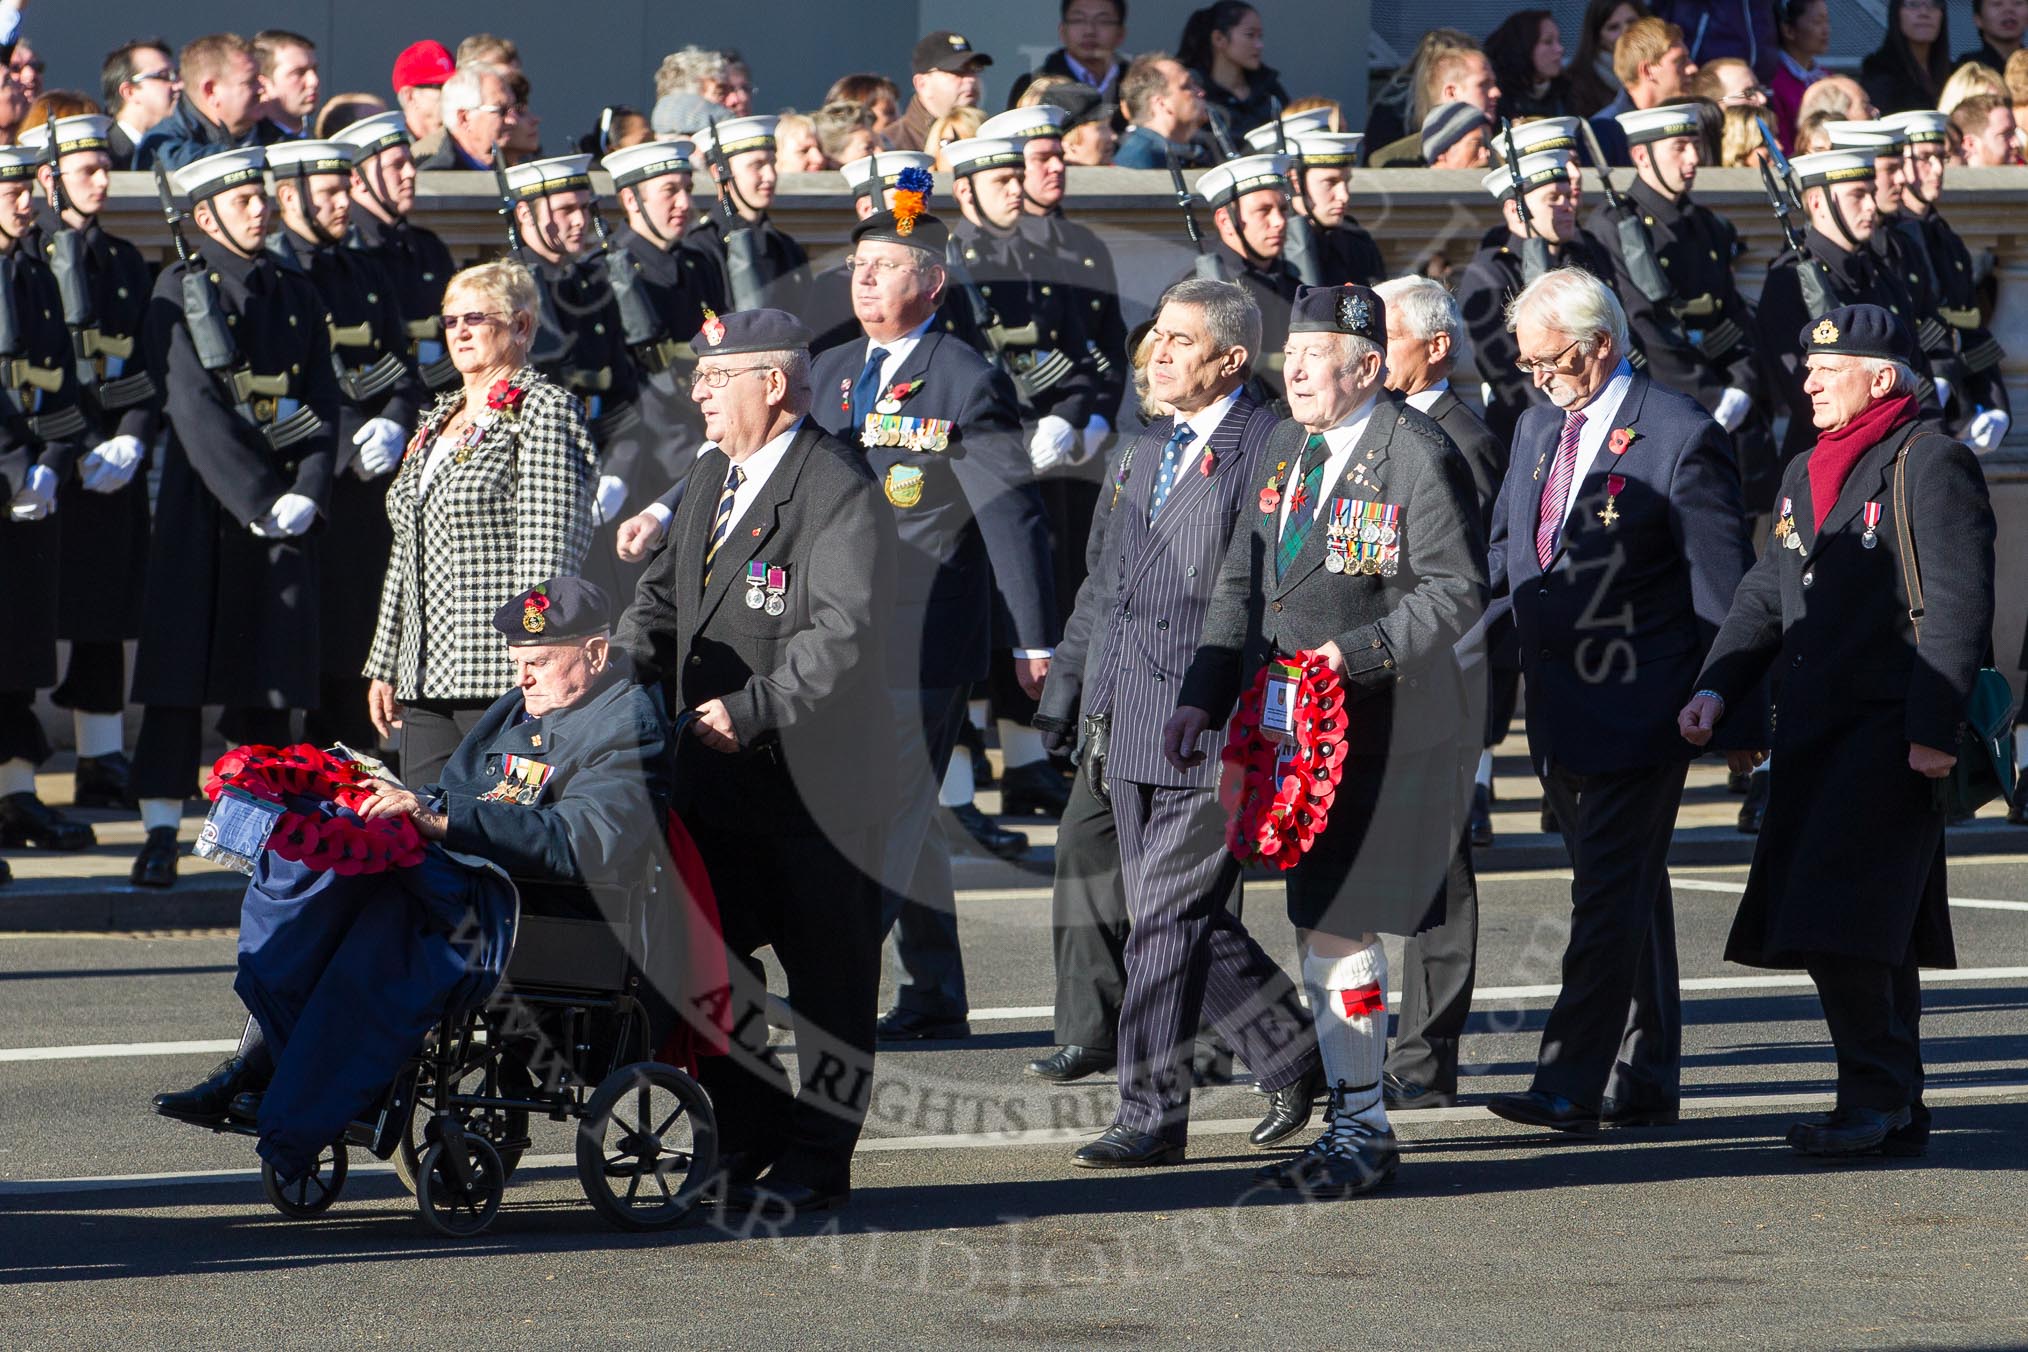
[744, 287]
[1207, 265]
[73, 280]
[1302, 250]
[1534, 249]
[550, 342]
[1637, 249]
[1786, 199]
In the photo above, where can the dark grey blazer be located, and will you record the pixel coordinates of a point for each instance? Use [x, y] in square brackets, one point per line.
[1485, 454]
[1397, 633]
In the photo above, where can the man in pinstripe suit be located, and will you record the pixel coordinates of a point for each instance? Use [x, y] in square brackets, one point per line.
[1385, 609]
[1176, 494]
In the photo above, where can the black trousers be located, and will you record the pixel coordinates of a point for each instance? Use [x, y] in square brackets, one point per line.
[95, 678]
[430, 732]
[1617, 1026]
[172, 740]
[918, 903]
[1875, 1013]
[800, 894]
[1437, 970]
[21, 734]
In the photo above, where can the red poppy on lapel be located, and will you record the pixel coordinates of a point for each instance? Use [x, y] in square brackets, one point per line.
[1621, 438]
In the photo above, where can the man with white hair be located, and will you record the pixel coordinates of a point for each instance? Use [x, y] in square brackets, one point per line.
[1618, 541]
[478, 110]
[1365, 551]
[1857, 897]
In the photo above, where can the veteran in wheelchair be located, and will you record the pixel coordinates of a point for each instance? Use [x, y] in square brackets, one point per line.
[539, 959]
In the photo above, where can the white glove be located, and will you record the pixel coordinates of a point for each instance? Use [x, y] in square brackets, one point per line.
[1052, 443]
[608, 498]
[1943, 390]
[109, 466]
[1733, 406]
[1095, 433]
[289, 517]
[380, 446]
[1988, 429]
[37, 497]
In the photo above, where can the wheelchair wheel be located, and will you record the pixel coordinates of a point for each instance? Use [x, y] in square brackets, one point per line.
[315, 1191]
[450, 1207]
[648, 1146]
[506, 1128]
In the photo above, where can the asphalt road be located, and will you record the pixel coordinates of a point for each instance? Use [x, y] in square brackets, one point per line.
[969, 1227]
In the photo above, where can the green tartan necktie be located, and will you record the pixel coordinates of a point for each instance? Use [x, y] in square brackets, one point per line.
[1303, 510]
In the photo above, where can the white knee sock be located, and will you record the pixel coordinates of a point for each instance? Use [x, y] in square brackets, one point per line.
[1352, 1026]
[1019, 745]
[957, 786]
[1484, 777]
[17, 776]
[2021, 744]
[98, 734]
[975, 711]
[159, 812]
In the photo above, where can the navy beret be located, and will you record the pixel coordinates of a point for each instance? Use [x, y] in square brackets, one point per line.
[750, 331]
[1339, 309]
[1860, 331]
[555, 611]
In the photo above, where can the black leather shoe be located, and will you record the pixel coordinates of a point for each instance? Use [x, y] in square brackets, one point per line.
[1849, 1131]
[986, 833]
[785, 1199]
[1482, 816]
[1124, 1148]
[906, 1025]
[1400, 1094]
[1654, 1113]
[27, 820]
[1039, 790]
[101, 781]
[1755, 807]
[6, 873]
[207, 1101]
[246, 1107]
[2017, 811]
[1337, 1165]
[1911, 1141]
[155, 866]
[1073, 1062]
[1289, 1111]
[1537, 1109]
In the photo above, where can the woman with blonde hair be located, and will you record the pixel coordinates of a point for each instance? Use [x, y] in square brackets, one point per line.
[493, 496]
[1739, 145]
[959, 124]
[1969, 79]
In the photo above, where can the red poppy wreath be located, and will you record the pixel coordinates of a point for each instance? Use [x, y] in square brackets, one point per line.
[308, 783]
[1278, 793]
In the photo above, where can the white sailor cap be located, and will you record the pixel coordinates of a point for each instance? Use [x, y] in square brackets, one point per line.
[1267, 140]
[86, 131]
[649, 159]
[858, 174]
[18, 162]
[976, 153]
[1327, 149]
[218, 173]
[1543, 166]
[286, 159]
[1544, 133]
[1921, 126]
[737, 135]
[1224, 183]
[1876, 136]
[1833, 166]
[1021, 124]
[1643, 125]
[371, 135]
[543, 178]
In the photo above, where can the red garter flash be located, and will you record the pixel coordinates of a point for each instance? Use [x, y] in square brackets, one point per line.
[1277, 796]
[301, 778]
[1363, 1000]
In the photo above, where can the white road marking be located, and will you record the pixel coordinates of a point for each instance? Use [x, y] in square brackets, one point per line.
[102, 1051]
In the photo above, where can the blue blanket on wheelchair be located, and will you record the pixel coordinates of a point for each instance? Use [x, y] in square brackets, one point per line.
[347, 975]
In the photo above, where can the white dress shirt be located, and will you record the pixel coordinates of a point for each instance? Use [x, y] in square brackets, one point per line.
[758, 466]
[894, 355]
[1421, 400]
[1338, 444]
[1202, 424]
[1598, 425]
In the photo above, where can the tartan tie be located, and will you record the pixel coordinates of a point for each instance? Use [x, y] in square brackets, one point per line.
[721, 525]
[1303, 509]
[1165, 481]
[1556, 493]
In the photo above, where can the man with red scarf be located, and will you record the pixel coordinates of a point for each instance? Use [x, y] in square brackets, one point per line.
[1857, 896]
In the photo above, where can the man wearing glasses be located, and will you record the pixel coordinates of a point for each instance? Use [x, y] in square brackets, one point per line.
[1616, 544]
[141, 87]
[219, 108]
[1091, 32]
[767, 617]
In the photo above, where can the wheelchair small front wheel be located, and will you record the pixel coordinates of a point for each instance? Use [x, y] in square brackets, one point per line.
[458, 1206]
[315, 1191]
[647, 1147]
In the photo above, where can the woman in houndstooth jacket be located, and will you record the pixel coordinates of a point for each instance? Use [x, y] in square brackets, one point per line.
[493, 496]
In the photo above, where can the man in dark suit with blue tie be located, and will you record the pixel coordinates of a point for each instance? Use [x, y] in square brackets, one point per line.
[1174, 497]
[939, 428]
[1619, 540]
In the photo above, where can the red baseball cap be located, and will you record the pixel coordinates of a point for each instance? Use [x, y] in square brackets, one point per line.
[423, 63]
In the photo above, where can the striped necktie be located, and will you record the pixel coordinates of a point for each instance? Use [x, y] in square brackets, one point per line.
[1303, 507]
[721, 525]
[1556, 493]
[1165, 479]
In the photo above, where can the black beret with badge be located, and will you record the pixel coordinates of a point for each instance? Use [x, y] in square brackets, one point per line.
[556, 611]
[1355, 310]
[1859, 331]
[761, 330]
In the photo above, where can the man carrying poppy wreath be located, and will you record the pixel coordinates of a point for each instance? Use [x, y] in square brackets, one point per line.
[564, 784]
